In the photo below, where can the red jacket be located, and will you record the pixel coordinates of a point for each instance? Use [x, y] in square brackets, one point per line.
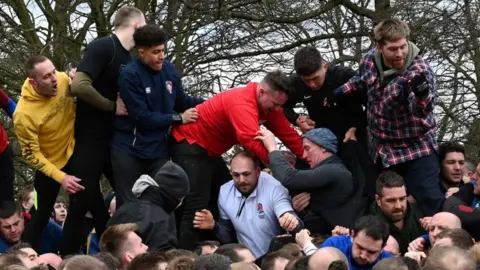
[3, 134]
[231, 118]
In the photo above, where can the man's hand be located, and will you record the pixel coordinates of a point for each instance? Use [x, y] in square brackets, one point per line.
[71, 185]
[339, 230]
[417, 245]
[189, 116]
[121, 110]
[268, 139]
[419, 85]
[288, 221]
[305, 123]
[72, 72]
[203, 220]
[418, 256]
[303, 238]
[301, 201]
[425, 222]
[451, 191]
[350, 135]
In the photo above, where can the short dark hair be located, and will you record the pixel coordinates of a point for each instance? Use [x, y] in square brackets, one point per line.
[268, 262]
[8, 209]
[174, 253]
[149, 35]
[307, 60]
[411, 263]
[372, 226]
[200, 245]
[10, 259]
[247, 154]
[32, 62]
[459, 237]
[61, 199]
[18, 246]
[24, 194]
[147, 261]
[111, 262]
[301, 263]
[230, 250]
[278, 82]
[338, 265]
[449, 147]
[388, 179]
[125, 14]
[178, 263]
[212, 262]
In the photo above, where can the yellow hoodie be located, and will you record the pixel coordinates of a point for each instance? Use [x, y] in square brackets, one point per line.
[45, 127]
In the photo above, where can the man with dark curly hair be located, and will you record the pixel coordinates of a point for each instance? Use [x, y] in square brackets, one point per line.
[155, 100]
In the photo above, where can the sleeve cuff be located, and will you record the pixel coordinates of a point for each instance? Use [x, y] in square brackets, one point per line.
[309, 249]
[58, 176]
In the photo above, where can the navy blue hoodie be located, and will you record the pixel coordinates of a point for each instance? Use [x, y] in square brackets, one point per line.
[151, 97]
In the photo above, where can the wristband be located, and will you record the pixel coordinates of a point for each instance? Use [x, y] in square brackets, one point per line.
[177, 118]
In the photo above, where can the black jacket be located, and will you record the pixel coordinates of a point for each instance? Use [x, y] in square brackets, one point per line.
[338, 118]
[330, 185]
[460, 204]
[154, 218]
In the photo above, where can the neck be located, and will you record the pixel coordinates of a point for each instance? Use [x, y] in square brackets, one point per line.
[125, 35]
[399, 224]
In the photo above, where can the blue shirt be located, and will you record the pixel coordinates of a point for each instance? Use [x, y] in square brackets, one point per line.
[49, 242]
[344, 244]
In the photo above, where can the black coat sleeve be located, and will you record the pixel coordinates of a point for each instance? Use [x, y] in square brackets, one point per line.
[459, 204]
[295, 97]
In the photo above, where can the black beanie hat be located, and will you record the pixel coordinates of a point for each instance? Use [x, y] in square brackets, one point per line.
[172, 179]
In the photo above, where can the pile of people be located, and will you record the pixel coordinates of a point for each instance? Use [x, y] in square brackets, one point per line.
[364, 186]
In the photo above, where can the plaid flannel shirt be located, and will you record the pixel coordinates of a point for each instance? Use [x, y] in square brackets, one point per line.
[402, 125]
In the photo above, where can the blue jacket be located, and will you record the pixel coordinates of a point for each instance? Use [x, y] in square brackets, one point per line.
[49, 241]
[151, 97]
[344, 244]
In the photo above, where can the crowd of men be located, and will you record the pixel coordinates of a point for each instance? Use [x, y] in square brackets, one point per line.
[364, 186]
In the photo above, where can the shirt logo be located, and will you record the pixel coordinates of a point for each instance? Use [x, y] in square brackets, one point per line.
[307, 97]
[148, 90]
[169, 85]
[260, 212]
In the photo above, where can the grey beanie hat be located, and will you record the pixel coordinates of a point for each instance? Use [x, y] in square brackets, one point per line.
[172, 179]
[324, 138]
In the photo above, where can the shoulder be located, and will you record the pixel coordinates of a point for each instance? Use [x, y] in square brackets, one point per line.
[103, 43]
[268, 181]
[227, 187]
[338, 241]
[131, 69]
[170, 70]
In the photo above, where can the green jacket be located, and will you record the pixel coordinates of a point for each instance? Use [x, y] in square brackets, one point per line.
[412, 228]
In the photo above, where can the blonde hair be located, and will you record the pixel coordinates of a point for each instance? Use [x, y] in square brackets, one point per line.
[390, 30]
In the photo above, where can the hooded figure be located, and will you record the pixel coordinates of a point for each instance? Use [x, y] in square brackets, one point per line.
[153, 209]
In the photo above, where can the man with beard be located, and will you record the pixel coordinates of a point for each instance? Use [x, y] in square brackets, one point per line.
[400, 88]
[391, 204]
[452, 163]
[254, 205]
[364, 248]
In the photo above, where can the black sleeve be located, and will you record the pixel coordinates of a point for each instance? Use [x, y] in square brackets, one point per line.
[459, 204]
[97, 56]
[294, 179]
[294, 98]
[355, 104]
[224, 231]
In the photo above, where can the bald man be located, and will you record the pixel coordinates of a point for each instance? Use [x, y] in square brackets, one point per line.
[392, 246]
[323, 257]
[439, 222]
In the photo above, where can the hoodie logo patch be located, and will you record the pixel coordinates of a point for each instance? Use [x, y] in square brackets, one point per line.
[169, 86]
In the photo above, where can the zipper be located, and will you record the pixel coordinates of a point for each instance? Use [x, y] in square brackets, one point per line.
[134, 135]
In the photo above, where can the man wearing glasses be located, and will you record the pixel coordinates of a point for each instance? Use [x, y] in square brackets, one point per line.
[254, 208]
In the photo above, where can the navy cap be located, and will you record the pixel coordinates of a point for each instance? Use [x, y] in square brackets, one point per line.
[324, 138]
